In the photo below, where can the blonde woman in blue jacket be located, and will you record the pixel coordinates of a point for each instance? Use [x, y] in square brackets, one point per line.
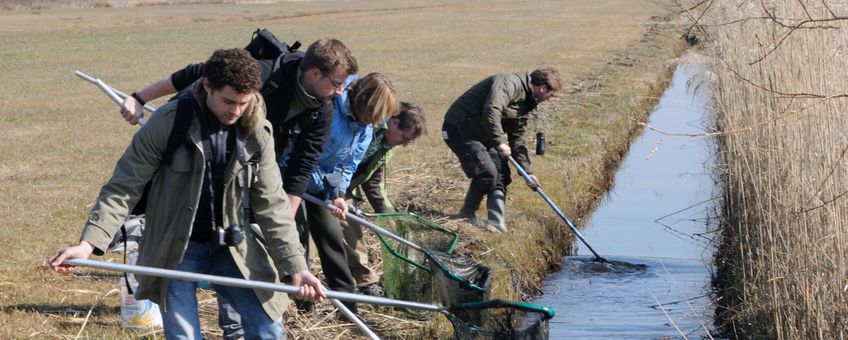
[364, 102]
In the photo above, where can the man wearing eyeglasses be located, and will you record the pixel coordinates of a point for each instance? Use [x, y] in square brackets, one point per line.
[369, 179]
[486, 125]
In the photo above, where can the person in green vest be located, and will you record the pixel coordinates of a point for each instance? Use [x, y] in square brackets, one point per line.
[369, 180]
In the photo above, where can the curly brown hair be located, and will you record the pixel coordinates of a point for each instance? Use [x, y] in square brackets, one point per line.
[234, 67]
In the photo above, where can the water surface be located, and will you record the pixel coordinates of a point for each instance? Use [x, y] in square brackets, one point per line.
[657, 216]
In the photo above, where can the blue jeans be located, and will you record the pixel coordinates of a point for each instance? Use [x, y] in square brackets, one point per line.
[180, 318]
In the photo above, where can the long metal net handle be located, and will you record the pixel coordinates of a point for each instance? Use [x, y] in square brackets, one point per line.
[355, 319]
[365, 222]
[341, 307]
[389, 234]
[557, 210]
[242, 283]
[116, 95]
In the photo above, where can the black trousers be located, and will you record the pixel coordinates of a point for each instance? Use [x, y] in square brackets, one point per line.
[482, 165]
[329, 241]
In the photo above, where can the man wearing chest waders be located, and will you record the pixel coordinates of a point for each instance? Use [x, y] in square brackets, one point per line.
[486, 125]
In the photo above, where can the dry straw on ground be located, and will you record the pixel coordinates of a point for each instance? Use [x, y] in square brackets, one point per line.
[779, 85]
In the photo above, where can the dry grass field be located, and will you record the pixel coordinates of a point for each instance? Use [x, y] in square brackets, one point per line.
[61, 136]
[780, 98]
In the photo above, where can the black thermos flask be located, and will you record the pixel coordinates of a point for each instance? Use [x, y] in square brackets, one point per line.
[540, 143]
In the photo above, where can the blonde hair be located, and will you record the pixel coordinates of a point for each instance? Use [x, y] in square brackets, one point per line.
[373, 98]
[253, 115]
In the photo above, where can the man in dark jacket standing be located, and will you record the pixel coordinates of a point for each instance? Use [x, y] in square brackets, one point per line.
[485, 126]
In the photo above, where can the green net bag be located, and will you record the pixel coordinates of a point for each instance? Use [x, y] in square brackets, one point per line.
[458, 279]
[501, 319]
[405, 273]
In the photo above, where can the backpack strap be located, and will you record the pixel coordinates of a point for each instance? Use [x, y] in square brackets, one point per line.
[277, 71]
[124, 238]
[274, 78]
[186, 107]
[283, 80]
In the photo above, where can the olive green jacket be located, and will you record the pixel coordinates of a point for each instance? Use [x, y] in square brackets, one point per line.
[370, 172]
[173, 200]
[496, 111]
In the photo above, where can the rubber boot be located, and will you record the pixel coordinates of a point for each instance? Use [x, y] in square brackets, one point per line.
[469, 208]
[496, 206]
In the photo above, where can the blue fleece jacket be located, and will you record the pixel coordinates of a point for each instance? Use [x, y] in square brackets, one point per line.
[346, 144]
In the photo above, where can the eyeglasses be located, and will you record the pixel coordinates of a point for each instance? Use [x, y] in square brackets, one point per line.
[335, 84]
[406, 140]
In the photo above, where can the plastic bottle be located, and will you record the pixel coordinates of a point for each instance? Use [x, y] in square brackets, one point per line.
[137, 313]
[540, 143]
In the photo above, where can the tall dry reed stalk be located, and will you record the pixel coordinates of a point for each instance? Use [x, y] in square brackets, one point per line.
[783, 261]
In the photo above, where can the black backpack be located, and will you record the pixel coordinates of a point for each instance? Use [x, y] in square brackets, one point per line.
[277, 60]
[264, 45]
[271, 53]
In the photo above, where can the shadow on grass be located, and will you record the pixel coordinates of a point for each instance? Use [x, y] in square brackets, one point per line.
[96, 274]
[63, 310]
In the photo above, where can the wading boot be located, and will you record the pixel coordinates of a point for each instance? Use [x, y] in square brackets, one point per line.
[469, 208]
[496, 207]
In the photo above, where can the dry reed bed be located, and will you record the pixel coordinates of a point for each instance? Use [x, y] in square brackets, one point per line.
[782, 264]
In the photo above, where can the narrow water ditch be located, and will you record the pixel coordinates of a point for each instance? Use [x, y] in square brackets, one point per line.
[658, 214]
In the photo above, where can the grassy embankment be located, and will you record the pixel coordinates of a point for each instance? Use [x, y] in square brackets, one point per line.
[62, 136]
[781, 103]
